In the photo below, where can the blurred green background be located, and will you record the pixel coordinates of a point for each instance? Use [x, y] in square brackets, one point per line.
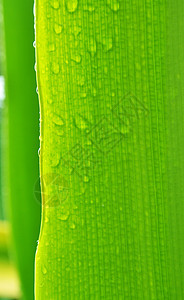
[19, 132]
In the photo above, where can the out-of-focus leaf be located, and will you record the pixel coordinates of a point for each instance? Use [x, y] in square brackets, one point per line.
[21, 137]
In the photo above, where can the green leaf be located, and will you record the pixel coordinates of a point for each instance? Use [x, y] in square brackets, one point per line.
[111, 156]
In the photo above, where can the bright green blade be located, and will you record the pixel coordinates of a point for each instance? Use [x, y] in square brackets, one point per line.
[1, 100]
[22, 136]
[109, 149]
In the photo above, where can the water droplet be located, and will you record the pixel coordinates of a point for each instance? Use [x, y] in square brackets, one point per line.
[58, 28]
[54, 4]
[92, 47]
[113, 5]
[55, 161]
[76, 57]
[58, 120]
[35, 67]
[60, 132]
[44, 270]
[46, 220]
[89, 8]
[34, 44]
[55, 68]
[37, 90]
[63, 217]
[39, 152]
[80, 122]
[107, 43]
[76, 30]
[71, 5]
[72, 226]
[86, 179]
[51, 47]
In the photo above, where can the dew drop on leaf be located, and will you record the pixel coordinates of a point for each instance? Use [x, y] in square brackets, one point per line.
[58, 120]
[72, 226]
[86, 179]
[63, 217]
[76, 30]
[107, 43]
[58, 28]
[55, 68]
[54, 4]
[55, 160]
[46, 220]
[71, 5]
[44, 270]
[60, 132]
[80, 122]
[92, 47]
[113, 5]
[76, 57]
